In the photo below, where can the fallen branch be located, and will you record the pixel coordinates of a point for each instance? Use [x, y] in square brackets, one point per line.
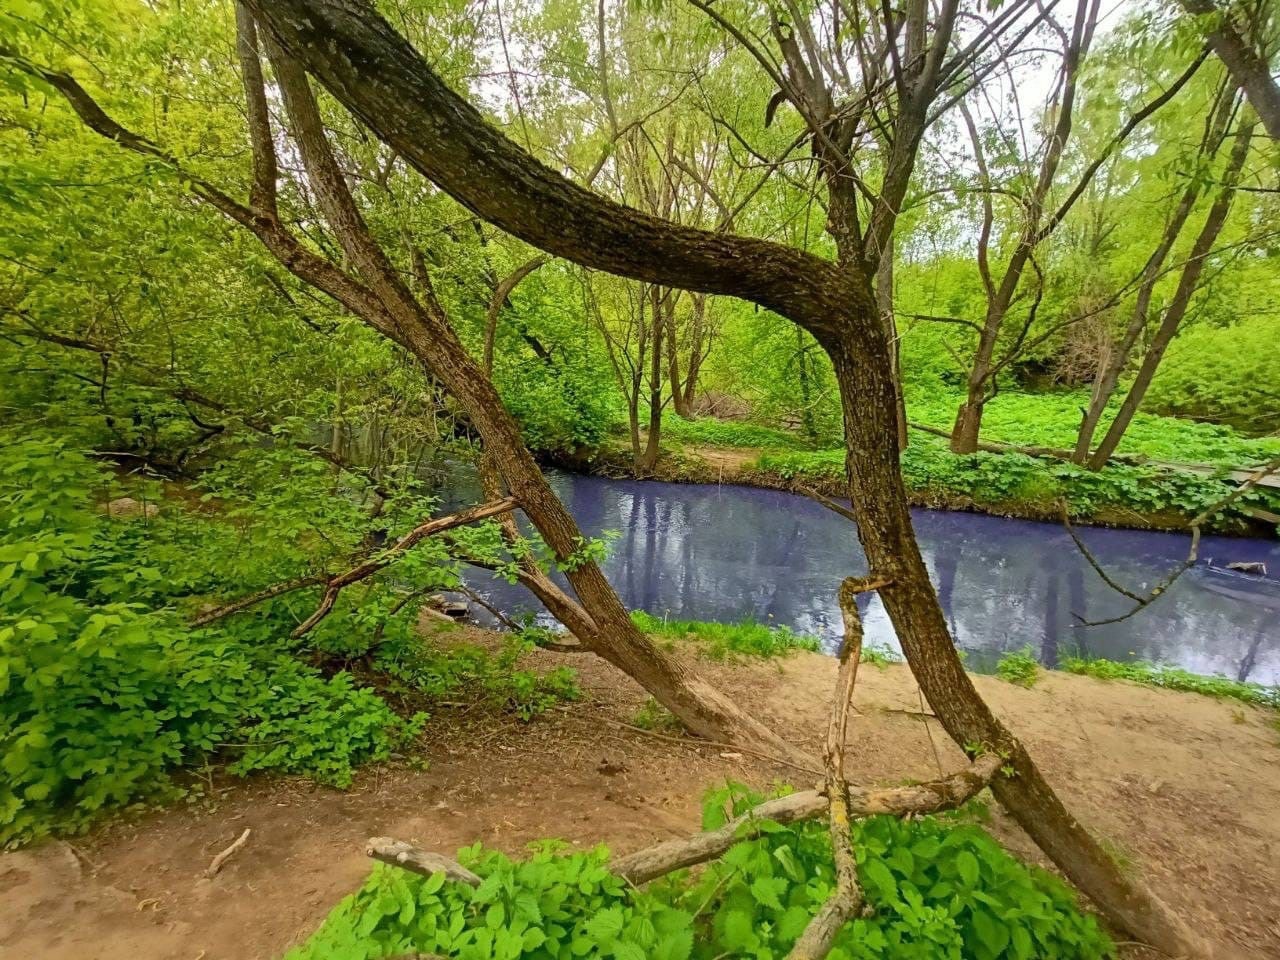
[253, 599]
[401, 854]
[827, 502]
[216, 864]
[931, 796]
[847, 899]
[384, 559]
[1142, 601]
[928, 797]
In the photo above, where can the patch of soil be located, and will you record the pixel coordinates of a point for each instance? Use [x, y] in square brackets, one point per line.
[1184, 787]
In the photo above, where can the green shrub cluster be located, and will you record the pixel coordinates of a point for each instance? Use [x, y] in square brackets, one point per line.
[106, 691]
[1053, 419]
[940, 889]
[1019, 667]
[1174, 678]
[722, 640]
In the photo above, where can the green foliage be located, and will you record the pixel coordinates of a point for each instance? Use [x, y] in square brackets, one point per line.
[654, 716]
[879, 655]
[1018, 667]
[1175, 678]
[435, 674]
[1052, 420]
[708, 431]
[1000, 480]
[720, 641]
[1226, 374]
[940, 890]
[100, 699]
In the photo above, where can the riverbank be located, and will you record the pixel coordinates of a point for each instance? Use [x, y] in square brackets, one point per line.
[1182, 786]
[1015, 485]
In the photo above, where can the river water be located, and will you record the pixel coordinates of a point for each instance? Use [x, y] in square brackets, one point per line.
[728, 553]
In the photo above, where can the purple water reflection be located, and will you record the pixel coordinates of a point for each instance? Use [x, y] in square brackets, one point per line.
[728, 553]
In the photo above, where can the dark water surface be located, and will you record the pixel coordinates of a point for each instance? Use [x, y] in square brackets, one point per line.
[729, 553]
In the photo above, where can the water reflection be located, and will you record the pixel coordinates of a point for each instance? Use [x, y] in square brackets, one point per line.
[728, 553]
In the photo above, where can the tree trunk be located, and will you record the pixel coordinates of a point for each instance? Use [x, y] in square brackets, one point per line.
[884, 303]
[1249, 70]
[645, 462]
[885, 530]
[968, 425]
[1177, 309]
[1104, 387]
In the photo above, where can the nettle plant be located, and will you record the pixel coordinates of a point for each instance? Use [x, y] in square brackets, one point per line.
[940, 888]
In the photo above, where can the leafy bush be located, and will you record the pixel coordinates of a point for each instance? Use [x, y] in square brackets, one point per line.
[939, 888]
[437, 674]
[1213, 373]
[1174, 678]
[1018, 667]
[722, 640]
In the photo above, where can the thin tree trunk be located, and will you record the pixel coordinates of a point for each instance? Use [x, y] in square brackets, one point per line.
[1249, 70]
[1104, 387]
[1177, 309]
[884, 303]
[647, 459]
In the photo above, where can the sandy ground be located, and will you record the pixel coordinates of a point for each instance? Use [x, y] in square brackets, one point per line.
[1185, 787]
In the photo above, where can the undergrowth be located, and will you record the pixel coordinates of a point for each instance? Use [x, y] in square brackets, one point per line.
[1175, 678]
[722, 640]
[939, 889]
[107, 691]
[1002, 479]
[711, 432]
[1018, 667]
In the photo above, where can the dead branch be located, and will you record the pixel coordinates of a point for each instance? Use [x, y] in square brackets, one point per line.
[1142, 601]
[244, 603]
[217, 863]
[929, 797]
[826, 501]
[847, 899]
[375, 563]
[401, 854]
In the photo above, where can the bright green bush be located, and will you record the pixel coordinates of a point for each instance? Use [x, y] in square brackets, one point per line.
[1003, 479]
[722, 640]
[1018, 667]
[940, 889]
[101, 699]
[1224, 374]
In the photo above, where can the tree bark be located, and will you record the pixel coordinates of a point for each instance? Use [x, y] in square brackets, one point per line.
[885, 530]
[1249, 70]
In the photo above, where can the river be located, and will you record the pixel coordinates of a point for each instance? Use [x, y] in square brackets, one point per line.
[728, 553]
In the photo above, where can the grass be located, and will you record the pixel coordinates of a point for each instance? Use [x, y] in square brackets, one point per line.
[1019, 667]
[1175, 678]
[720, 641]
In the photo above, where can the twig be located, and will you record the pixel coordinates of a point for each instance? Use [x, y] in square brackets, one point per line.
[1141, 601]
[216, 864]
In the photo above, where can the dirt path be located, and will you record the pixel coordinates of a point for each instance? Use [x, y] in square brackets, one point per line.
[1186, 787]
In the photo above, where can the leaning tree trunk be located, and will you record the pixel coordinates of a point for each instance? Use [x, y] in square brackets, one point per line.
[884, 527]
[1188, 283]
